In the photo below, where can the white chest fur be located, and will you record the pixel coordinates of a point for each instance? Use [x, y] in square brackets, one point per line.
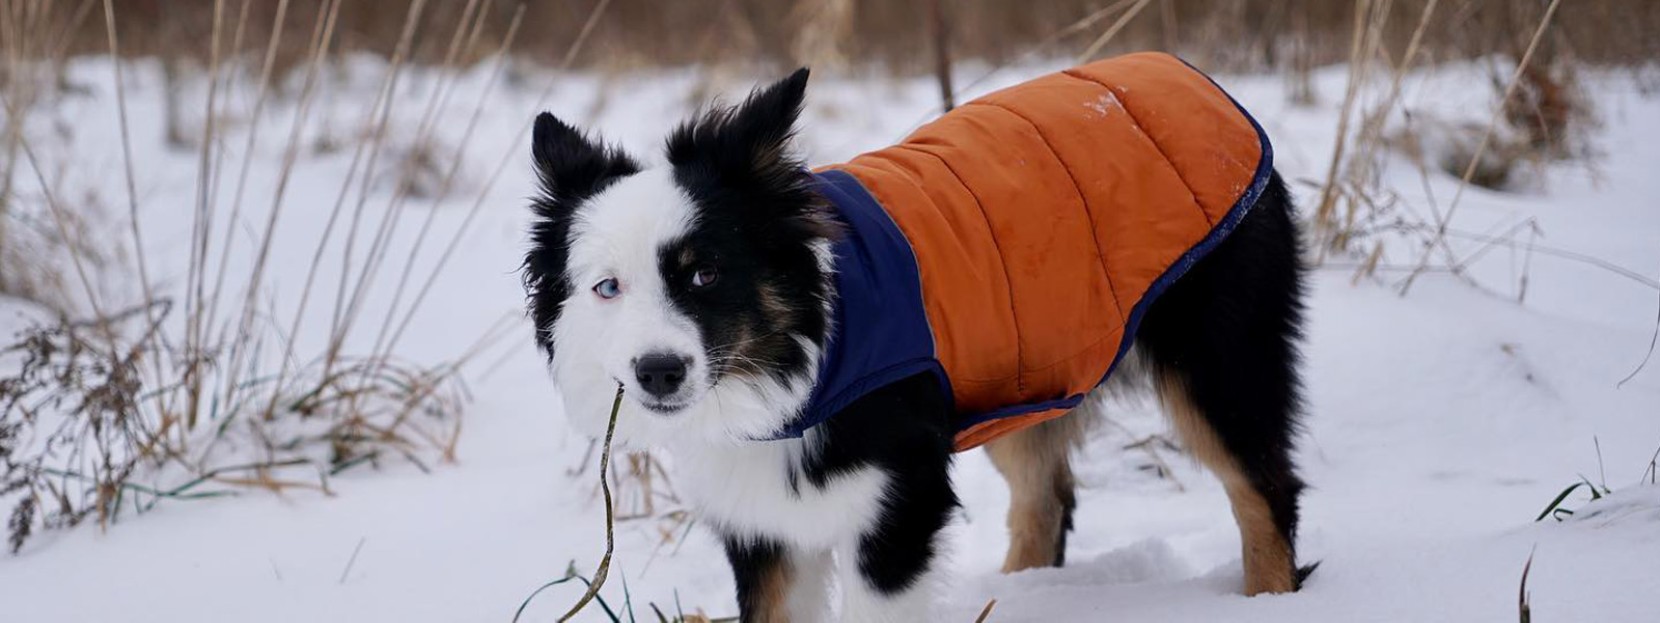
[745, 489]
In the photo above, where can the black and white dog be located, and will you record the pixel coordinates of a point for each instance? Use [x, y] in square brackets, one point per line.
[703, 286]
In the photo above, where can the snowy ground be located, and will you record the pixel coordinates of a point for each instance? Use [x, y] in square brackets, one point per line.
[1440, 423]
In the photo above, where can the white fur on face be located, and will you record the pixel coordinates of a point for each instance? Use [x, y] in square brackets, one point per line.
[617, 234]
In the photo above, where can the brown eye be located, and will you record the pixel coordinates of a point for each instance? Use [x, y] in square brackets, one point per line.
[704, 277]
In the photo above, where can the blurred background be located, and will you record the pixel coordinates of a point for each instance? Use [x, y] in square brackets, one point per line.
[1219, 35]
[258, 276]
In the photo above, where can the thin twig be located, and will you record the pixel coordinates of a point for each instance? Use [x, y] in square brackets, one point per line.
[447, 184]
[266, 69]
[353, 560]
[132, 190]
[501, 166]
[338, 330]
[321, 35]
[1652, 339]
[985, 613]
[604, 568]
[1481, 147]
[1326, 209]
[1112, 31]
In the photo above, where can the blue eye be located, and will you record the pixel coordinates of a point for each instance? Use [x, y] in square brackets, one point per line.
[608, 289]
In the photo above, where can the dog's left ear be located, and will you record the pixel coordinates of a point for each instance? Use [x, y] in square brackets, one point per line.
[746, 143]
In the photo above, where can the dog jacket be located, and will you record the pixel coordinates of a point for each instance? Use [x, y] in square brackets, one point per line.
[1011, 246]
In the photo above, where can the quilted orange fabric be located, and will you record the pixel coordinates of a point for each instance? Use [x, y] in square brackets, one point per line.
[1041, 215]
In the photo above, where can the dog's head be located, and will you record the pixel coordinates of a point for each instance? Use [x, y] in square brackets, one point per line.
[701, 285]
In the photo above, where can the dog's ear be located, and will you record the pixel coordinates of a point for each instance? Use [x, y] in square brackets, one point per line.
[747, 143]
[571, 166]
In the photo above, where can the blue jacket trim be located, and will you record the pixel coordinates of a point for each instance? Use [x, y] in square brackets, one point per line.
[879, 289]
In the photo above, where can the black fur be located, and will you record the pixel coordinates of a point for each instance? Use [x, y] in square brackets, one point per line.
[752, 560]
[905, 430]
[1229, 329]
[571, 169]
[757, 221]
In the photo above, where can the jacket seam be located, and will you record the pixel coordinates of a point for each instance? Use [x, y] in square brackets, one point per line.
[1140, 129]
[1008, 284]
[1083, 203]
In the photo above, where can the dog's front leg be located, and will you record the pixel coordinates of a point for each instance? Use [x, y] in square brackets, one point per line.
[889, 573]
[778, 583]
[761, 568]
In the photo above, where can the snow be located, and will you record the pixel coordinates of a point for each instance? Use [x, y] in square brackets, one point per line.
[1439, 425]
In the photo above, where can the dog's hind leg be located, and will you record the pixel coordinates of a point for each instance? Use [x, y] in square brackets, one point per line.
[1261, 488]
[1222, 346]
[1036, 462]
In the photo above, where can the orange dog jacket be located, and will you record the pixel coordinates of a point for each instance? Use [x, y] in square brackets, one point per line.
[1011, 246]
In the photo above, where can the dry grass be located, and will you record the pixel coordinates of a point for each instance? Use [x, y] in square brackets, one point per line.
[1230, 35]
[198, 390]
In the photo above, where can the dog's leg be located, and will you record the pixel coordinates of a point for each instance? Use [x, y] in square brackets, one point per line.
[872, 590]
[888, 572]
[1261, 488]
[765, 578]
[1036, 462]
[1222, 345]
[808, 600]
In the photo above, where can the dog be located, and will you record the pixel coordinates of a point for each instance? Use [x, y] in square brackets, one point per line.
[811, 347]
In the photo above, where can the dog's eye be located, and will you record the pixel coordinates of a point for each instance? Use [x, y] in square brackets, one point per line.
[608, 289]
[704, 276]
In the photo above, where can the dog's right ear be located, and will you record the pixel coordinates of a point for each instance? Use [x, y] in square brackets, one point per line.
[571, 166]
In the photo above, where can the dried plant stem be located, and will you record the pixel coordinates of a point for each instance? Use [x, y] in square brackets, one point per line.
[1112, 31]
[1325, 211]
[1653, 339]
[1440, 237]
[394, 209]
[338, 330]
[61, 221]
[322, 37]
[941, 35]
[582, 36]
[267, 67]
[382, 345]
[604, 568]
[985, 613]
[1082, 24]
[322, 242]
[395, 205]
[1371, 134]
[201, 226]
[132, 206]
[501, 165]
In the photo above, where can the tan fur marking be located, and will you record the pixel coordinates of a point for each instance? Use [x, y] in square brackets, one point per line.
[773, 594]
[1035, 462]
[773, 302]
[1269, 567]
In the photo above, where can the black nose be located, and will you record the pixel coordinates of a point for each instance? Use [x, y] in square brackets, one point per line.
[660, 374]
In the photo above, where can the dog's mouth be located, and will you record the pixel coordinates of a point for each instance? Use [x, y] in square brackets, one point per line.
[664, 407]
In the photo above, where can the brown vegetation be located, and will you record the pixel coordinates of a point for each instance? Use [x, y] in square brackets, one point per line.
[1216, 34]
